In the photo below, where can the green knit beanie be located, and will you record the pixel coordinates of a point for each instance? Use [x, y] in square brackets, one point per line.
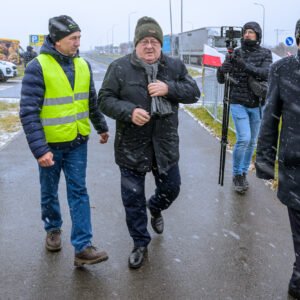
[147, 26]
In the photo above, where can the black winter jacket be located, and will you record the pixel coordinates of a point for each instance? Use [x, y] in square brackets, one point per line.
[124, 89]
[283, 101]
[258, 61]
[32, 98]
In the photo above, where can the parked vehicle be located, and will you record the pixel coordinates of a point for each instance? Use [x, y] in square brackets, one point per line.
[7, 70]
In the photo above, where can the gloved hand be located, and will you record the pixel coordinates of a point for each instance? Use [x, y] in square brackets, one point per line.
[226, 67]
[239, 62]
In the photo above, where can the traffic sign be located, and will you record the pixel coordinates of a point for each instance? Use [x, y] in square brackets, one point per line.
[289, 41]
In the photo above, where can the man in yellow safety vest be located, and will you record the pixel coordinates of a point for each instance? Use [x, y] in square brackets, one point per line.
[58, 98]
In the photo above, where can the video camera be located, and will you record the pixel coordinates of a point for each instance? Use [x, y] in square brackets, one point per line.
[231, 35]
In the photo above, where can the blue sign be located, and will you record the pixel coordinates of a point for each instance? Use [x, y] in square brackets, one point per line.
[34, 39]
[289, 41]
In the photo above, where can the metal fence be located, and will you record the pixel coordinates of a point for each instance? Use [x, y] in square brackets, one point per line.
[212, 95]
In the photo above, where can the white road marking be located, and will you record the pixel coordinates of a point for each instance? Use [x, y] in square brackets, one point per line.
[5, 87]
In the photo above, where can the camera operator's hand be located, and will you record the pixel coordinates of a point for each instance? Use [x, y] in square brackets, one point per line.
[239, 62]
[226, 67]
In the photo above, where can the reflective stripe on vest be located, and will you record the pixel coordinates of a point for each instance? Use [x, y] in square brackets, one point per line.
[65, 112]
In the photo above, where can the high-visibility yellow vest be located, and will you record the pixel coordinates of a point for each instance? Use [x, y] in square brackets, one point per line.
[65, 112]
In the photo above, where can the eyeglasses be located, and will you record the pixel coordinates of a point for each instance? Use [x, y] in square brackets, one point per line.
[153, 43]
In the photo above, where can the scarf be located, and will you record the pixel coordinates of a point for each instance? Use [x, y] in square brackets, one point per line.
[160, 107]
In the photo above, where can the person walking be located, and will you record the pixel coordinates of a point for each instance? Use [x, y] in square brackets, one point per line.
[29, 55]
[142, 92]
[279, 137]
[58, 98]
[248, 60]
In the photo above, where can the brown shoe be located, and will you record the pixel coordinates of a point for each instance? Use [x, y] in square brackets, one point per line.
[53, 240]
[89, 256]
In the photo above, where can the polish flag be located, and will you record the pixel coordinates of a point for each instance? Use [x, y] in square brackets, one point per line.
[211, 57]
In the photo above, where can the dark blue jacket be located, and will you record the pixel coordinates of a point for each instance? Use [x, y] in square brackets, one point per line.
[32, 98]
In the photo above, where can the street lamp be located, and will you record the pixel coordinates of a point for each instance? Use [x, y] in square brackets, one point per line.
[112, 37]
[133, 12]
[263, 7]
[181, 15]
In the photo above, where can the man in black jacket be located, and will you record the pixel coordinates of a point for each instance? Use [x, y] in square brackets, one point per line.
[283, 104]
[29, 55]
[142, 92]
[249, 60]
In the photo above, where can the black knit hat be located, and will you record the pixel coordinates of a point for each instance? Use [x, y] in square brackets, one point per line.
[297, 32]
[147, 26]
[61, 26]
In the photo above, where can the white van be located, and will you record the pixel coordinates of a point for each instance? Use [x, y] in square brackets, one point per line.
[7, 70]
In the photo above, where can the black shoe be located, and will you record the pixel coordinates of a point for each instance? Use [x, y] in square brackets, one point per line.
[136, 257]
[246, 182]
[157, 221]
[239, 184]
[294, 286]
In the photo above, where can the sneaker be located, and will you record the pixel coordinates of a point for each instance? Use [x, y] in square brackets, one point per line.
[246, 182]
[239, 184]
[53, 240]
[89, 256]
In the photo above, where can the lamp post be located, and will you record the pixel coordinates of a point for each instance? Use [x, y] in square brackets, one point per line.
[263, 30]
[131, 13]
[171, 27]
[112, 37]
[181, 15]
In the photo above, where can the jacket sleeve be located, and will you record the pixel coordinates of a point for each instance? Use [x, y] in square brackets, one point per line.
[262, 71]
[96, 117]
[109, 98]
[32, 98]
[184, 88]
[268, 136]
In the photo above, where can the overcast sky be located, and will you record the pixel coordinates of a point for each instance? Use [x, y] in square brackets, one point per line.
[104, 21]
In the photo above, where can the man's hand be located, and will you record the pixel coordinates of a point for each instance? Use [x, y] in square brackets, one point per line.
[46, 160]
[140, 116]
[226, 66]
[158, 88]
[104, 137]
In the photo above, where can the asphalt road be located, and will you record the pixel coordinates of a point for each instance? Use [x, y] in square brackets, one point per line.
[216, 244]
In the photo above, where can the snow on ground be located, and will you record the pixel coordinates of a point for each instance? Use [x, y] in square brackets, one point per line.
[6, 137]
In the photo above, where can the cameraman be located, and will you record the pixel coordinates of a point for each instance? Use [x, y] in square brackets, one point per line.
[249, 60]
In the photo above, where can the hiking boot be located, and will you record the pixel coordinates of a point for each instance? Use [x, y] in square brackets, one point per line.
[53, 240]
[239, 184]
[246, 182]
[89, 256]
[157, 221]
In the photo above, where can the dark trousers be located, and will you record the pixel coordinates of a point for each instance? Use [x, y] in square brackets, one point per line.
[134, 200]
[294, 216]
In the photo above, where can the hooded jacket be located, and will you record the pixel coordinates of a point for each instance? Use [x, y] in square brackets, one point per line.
[257, 63]
[32, 99]
[125, 88]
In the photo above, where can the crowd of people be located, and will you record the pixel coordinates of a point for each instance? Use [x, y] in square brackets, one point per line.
[142, 92]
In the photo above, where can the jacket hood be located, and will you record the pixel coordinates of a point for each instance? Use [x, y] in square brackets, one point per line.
[254, 26]
[49, 48]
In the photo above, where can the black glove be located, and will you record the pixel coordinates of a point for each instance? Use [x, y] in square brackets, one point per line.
[226, 67]
[239, 62]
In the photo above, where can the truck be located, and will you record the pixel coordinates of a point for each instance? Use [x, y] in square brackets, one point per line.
[10, 50]
[191, 43]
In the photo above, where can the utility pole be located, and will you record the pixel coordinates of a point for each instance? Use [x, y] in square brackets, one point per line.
[278, 31]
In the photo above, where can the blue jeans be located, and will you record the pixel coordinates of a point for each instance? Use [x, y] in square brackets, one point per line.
[134, 200]
[247, 123]
[73, 162]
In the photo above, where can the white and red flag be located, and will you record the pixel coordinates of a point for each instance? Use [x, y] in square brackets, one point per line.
[211, 57]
